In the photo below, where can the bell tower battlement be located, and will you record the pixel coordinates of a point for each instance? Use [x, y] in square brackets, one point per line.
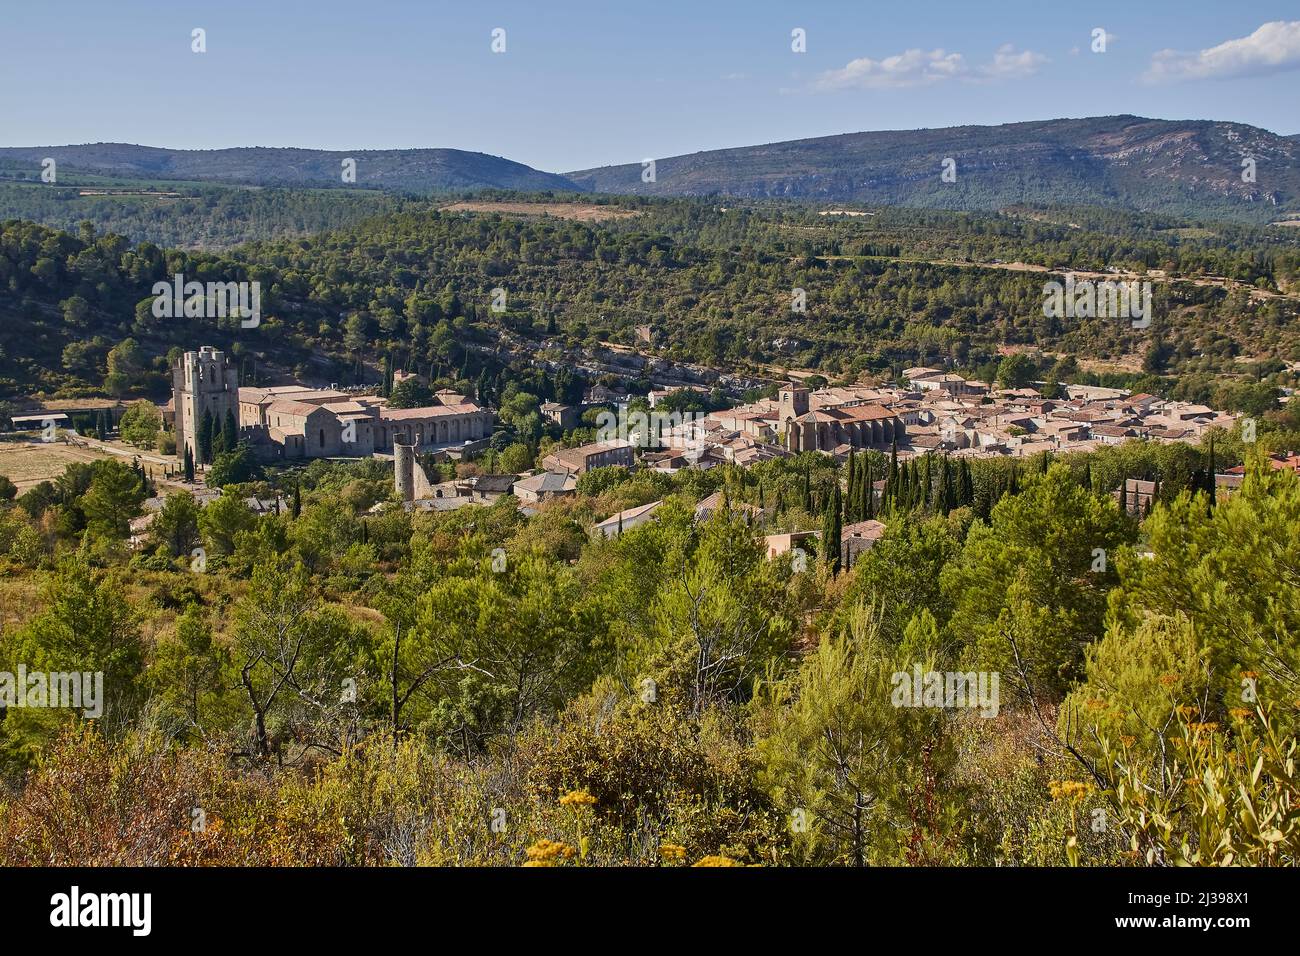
[203, 382]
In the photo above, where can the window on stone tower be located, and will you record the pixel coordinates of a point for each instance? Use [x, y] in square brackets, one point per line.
[322, 438]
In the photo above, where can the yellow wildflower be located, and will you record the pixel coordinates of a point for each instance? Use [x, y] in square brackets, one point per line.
[672, 852]
[546, 852]
[1073, 790]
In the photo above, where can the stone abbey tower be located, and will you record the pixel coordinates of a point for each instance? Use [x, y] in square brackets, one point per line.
[404, 471]
[409, 478]
[202, 381]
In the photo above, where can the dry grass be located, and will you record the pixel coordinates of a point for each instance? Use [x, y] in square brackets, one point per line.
[19, 598]
[28, 463]
[1124, 363]
[581, 211]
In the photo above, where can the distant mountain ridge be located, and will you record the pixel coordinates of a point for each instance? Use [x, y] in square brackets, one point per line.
[1191, 168]
[400, 170]
[1181, 167]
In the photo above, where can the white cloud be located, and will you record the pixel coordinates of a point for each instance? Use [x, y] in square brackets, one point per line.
[925, 67]
[1009, 65]
[911, 68]
[1272, 48]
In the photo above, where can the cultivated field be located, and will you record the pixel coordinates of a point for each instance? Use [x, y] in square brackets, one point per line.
[581, 211]
[27, 463]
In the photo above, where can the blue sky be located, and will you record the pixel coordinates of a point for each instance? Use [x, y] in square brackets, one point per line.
[588, 83]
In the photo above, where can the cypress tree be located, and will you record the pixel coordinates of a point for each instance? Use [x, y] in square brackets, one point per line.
[945, 487]
[807, 491]
[1209, 478]
[230, 431]
[189, 464]
[205, 438]
[949, 489]
[851, 501]
[927, 484]
[831, 527]
[868, 504]
[297, 500]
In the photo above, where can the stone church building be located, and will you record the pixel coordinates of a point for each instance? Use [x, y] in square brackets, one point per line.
[202, 381]
[295, 421]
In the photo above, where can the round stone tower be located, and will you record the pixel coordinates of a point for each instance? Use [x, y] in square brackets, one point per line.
[404, 470]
